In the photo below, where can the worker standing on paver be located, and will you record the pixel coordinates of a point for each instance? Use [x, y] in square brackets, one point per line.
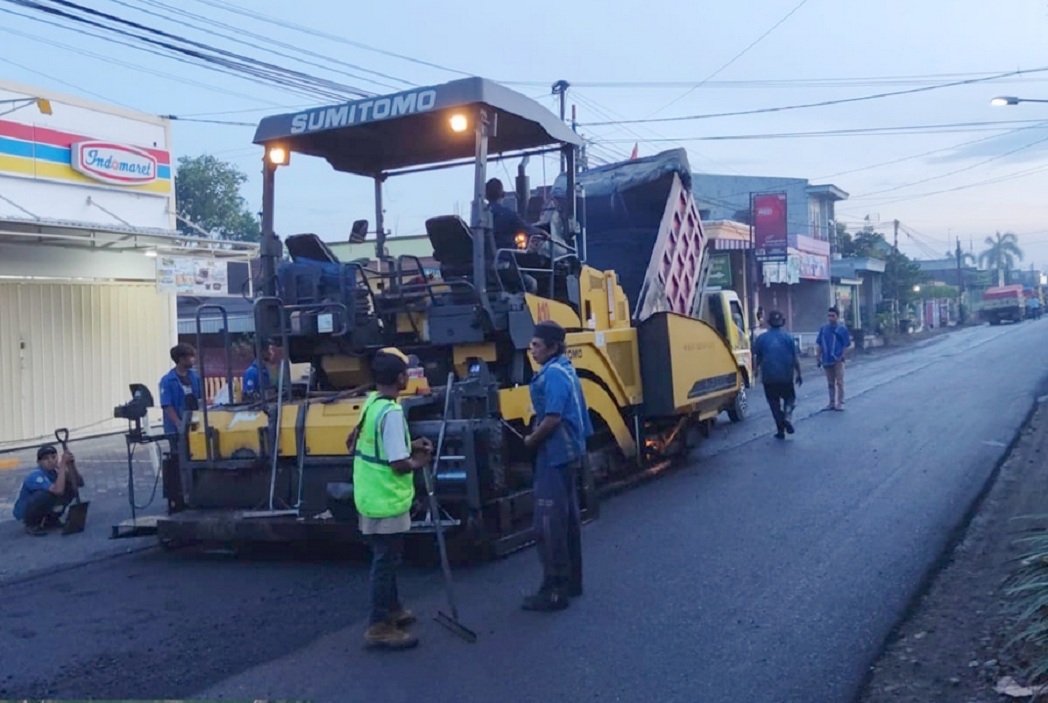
[779, 367]
[559, 442]
[256, 378]
[180, 389]
[384, 462]
[833, 341]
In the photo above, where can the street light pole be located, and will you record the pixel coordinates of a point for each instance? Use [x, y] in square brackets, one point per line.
[1002, 100]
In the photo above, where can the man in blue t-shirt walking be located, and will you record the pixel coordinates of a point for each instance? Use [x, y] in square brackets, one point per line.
[833, 341]
[775, 358]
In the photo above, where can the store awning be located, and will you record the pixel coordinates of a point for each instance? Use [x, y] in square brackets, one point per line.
[117, 238]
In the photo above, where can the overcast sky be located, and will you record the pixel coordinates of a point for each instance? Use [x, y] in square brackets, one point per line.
[966, 183]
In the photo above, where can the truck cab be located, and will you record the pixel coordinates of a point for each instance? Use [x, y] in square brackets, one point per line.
[722, 310]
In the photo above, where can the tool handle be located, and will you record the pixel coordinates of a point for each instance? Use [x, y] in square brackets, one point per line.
[62, 435]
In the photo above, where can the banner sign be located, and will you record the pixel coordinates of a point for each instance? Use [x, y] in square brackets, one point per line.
[720, 271]
[191, 276]
[770, 242]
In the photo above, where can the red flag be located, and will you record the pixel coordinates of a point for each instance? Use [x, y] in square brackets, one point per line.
[634, 154]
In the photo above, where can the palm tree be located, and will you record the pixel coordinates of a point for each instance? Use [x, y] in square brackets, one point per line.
[1002, 254]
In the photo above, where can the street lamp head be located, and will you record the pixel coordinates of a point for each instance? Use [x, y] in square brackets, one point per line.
[1002, 100]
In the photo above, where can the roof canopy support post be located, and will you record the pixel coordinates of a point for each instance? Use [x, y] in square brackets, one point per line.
[270, 249]
[480, 216]
[380, 221]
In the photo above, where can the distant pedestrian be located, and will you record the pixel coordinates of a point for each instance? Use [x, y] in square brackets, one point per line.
[777, 365]
[256, 378]
[833, 341]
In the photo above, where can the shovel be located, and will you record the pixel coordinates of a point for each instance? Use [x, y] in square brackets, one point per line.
[76, 516]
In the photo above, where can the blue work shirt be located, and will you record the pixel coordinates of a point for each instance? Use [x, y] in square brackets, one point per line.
[506, 224]
[256, 378]
[37, 480]
[555, 390]
[180, 396]
[833, 339]
[777, 354]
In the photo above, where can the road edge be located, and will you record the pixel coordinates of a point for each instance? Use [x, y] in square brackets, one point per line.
[956, 536]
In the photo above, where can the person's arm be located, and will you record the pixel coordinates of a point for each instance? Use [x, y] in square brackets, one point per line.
[167, 402]
[819, 349]
[558, 393]
[797, 370]
[58, 487]
[401, 458]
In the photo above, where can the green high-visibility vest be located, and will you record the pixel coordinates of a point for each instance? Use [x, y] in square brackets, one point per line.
[378, 491]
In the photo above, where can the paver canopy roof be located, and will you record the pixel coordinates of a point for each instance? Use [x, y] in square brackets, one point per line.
[413, 128]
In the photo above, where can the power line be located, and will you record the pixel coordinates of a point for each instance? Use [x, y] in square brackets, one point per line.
[732, 60]
[269, 43]
[976, 184]
[941, 128]
[259, 69]
[952, 147]
[824, 103]
[783, 83]
[60, 81]
[116, 62]
[313, 32]
[955, 171]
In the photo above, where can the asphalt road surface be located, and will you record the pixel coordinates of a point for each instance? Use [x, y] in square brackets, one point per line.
[761, 571]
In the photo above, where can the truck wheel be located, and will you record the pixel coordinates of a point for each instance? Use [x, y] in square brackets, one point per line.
[739, 408]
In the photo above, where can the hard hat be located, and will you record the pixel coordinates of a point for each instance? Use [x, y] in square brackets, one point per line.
[393, 351]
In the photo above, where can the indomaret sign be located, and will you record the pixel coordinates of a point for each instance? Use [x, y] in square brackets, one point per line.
[113, 163]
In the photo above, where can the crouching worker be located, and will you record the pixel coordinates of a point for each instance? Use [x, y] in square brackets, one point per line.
[47, 491]
[384, 462]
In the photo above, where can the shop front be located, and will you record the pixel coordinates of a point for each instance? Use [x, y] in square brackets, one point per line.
[800, 286]
[87, 209]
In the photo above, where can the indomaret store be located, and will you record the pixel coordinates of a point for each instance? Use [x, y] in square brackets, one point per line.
[87, 206]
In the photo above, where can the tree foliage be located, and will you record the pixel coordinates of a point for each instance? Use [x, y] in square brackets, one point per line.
[207, 193]
[1002, 254]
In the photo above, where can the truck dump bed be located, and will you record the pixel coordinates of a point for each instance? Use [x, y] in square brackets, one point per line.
[642, 222]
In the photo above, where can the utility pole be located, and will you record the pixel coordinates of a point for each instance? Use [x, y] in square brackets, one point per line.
[960, 284]
[560, 89]
[895, 264]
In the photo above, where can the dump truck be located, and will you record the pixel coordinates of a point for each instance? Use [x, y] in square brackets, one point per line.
[642, 221]
[1003, 303]
[278, 468]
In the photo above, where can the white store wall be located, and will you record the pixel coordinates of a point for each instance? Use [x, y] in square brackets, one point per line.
[68, 352]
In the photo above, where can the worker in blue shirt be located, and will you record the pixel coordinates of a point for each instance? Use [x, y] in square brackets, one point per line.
[47, 491]
[833, 341]
[562, 425]
[181, 388]
[256, 377]
[775, 359]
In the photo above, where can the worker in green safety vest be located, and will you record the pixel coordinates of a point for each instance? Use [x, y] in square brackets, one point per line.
[384, 462]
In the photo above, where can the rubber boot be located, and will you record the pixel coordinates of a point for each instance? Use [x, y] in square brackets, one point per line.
[385, 635]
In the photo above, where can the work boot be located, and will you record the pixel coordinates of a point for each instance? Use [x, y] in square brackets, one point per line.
[788, 426]
[402, 617]
[35, 531]
[780, 435]
[547, 601]
[385, 635]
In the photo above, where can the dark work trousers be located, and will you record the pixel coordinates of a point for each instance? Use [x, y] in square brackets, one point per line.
[558, 525]
[781, 397]
[41, 505]
[387, 551]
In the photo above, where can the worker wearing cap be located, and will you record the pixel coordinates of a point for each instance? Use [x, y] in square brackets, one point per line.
[256, 377]
[384, 461]
[562, 425]
[775, 358]
[47, 491]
